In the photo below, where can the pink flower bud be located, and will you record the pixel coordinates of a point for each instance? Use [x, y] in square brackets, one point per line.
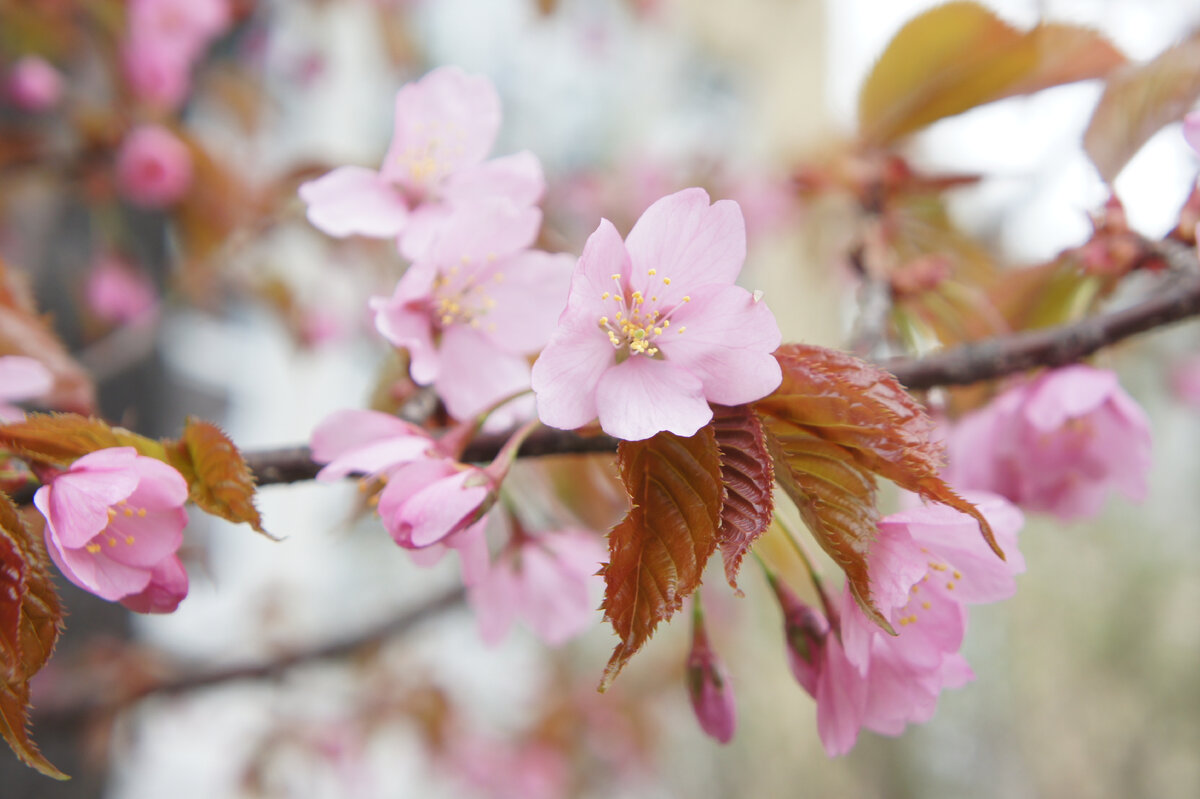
[118, 293]
[33, 84]
[709, 688]
[805, 630]
[154, 168]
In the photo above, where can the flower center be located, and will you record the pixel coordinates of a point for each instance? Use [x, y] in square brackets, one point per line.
[910, 613]
[437, 154]
[461, 294]
[111, 535]
[637, 328]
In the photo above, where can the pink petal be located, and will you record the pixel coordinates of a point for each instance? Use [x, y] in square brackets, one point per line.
[641, 397]
[684, 238]
[472, 548]
[96, 573]
[841, 701]
[494, 599]
[143, 541]
[474, 374]
[556, 600]
[351, 199]
[23, 378]
[409, 325]
[168, 586]
[604, 255]
[566, 375]
[1191, 130]
[727, 344]
[445, 121]
[1067, 393]
[365, 442]
[517, 177]
[160, 486]
[530, 297]
[480, 232]
[424, 227]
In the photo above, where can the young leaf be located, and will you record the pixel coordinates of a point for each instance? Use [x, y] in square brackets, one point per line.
[1138, 101]
[658, 551]
[748, 475]
[833, 425]
[31, 619]
[60, 438]
[960, 55]
[218, 479]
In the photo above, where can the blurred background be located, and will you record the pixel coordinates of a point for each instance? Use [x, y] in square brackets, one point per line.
[1087, 682]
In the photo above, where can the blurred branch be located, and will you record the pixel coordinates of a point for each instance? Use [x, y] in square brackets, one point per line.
[96, 697]
[970, 363]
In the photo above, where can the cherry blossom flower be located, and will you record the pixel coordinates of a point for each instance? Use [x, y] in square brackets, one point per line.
[21, 378]
[164, 39]
[118, 293]
[1057, 444]
[709, 687]
[114, 521]
[926, 565]
[445, 125]
[548, 579]
[33, 84]
[472, 311]
[654, 328]
[154, 168]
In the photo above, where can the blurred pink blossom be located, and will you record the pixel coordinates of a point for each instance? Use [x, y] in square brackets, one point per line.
[547, 579]
[154, 168]
[654, 327]
[119, 293]
[164, 39]
[114, 521]
[445, 125]
[503, 769]
[1056, 444]
[21, 378]
[1185, 380]
[471, 311]
[33, 84]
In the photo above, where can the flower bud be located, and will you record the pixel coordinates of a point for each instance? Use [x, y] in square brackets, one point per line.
[709, 688]
[804, 630]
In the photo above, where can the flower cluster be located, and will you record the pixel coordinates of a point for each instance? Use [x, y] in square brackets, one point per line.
[114, 521]
[1076, 425]
[926, 565]
[164, 40]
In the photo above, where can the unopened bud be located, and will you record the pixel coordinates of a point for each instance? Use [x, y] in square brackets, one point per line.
[709, 688]
[804, 630]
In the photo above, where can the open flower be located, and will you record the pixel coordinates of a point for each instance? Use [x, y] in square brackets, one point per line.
[473, 309]
[114, 521]
[545, 579]
[1056, 444]
[654, 328]
[445, 125]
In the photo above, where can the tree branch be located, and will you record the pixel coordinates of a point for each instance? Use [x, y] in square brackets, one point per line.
[970, 363]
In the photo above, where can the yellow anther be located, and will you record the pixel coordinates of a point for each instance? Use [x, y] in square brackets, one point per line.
[683, 328]
[652, 272]
[603, 321]
[658, 331]
[447, 319]
[129, 511]
[666, 322]
[616, 277]
[605, 296]
[949, 586]
[141, 513]
[687, 298]
[652, 351]
[93, 548]
[957, 574]
[129, 540]
[466, 259]
[112, 514]
[654, 299]
[926, 605]
[112, 542]
[666, 281]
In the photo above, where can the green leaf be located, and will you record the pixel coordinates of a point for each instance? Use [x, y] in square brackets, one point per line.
[960, 55]
[1138, 101]
[658, 551]
[836, 423]
[30, 622]
[219, 481]
[748, 475]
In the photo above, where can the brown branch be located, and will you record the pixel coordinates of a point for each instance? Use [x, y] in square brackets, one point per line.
[970, 363]
[92, 699]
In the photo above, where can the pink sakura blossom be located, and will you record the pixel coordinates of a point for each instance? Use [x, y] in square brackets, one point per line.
[504, 769]
[548, 579]
[473, 309]
[1185, 380]
[925, 566]
[114, 521]
[163, 41]
[1056, 444]
[429, 501]
[33, 84]
[154, 168]
[21, 378]
[654, 328]
[445, 125]
[119, 293]
[709, 688]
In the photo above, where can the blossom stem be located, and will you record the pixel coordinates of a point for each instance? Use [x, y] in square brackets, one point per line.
[809, 566]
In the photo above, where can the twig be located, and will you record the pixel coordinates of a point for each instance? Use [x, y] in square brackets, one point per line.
[105, 699]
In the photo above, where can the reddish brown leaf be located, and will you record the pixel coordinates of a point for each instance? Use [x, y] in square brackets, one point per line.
[960, 55]
[31, 616]
[219, 480]
[60, 438]
[748, 475]
[658, 551]
[834, 424]
[23, 332]
[1138, 101]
